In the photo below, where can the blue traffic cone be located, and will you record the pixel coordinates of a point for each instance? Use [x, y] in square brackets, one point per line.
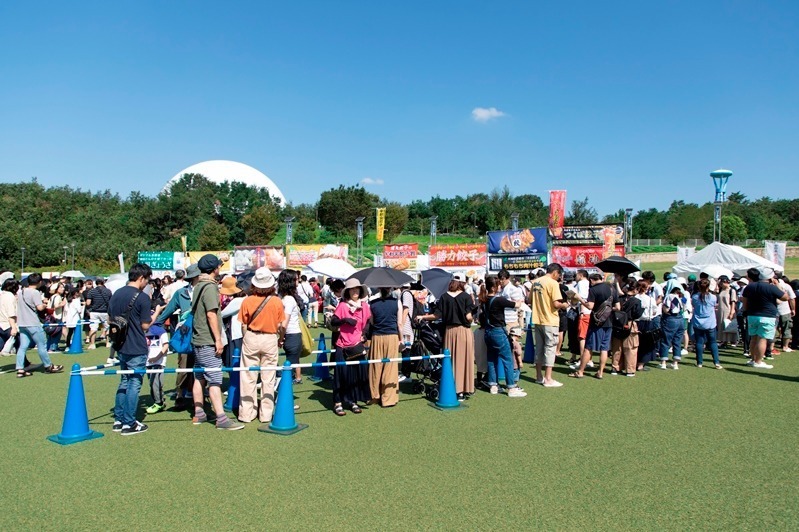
[283, 421]
[447, 398]
[233, 393]
[76, 420]
[529, 347]
[321, 373]
[76, 347]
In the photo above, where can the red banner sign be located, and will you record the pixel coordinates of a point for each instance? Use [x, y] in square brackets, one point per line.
[557, 212]
[581, 256]
[458, 255]
[401, 256]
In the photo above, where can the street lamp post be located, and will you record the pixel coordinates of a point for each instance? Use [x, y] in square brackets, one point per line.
[65, 255]
[720, 179]
[73, 255]
[359, 241]
[474, 223]
[289, 229]
[628, 230]
[22, 267]
[433, 221]
[514, 221]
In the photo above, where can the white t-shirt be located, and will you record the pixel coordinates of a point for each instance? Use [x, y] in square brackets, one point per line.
[513, 293]
[154, 346]
[292, 310]
[8, 309]
[305, 291]
[784, 307]
[232, 311]
[582, 290]
[172, 289]
[655, 292]
[649, 305]
[74, 312]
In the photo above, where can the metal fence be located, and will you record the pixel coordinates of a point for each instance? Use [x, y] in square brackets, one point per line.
[698, 242]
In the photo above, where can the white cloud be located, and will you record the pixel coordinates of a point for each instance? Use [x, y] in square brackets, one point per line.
[370, 181]
[486, 114]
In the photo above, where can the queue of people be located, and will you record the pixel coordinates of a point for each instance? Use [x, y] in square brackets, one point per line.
[629, 322]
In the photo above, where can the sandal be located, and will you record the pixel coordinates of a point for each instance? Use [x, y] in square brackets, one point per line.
[54, 369]
[576, 375]
[339, 411]
[355, 409]
[598, 376]
[21, 373]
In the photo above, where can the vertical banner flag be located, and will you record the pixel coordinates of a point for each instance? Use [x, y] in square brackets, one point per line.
[775, 252]
[381, 223]
[557, 211]
[608, 242]
[683, 254]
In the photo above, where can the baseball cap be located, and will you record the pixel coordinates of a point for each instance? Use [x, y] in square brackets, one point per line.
[692, 278]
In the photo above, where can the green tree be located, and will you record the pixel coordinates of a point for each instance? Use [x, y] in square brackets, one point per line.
[260, 224]
[339, 207]
[582, 213]
[733, 229]
[213, 236]
[396, 220]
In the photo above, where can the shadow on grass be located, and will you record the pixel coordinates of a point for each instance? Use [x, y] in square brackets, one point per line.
[775, 376]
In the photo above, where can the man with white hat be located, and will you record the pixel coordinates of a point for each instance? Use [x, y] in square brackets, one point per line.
[760, 300]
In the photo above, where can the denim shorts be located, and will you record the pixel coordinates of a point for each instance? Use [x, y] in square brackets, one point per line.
[598, 339]
[205, 357]
[762, 327]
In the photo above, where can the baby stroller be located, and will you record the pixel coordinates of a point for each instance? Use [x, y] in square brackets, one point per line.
[427, 341]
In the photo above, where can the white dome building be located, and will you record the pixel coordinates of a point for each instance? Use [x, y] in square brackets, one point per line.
[221, 171]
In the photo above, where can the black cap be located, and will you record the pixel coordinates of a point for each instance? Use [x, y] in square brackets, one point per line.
[208, 263]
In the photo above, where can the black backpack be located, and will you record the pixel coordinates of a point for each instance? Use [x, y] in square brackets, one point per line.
[118, 327]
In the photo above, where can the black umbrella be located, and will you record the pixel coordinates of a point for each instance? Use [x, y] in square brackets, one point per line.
[437, 281]
[244, 279]
[618, 265]
[382, 277]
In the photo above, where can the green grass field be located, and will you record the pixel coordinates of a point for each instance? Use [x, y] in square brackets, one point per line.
[688, 449]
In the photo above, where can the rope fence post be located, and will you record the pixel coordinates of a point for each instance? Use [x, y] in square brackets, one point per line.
[233, 392]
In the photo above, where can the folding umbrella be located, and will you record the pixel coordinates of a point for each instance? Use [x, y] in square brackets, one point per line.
[436, 281]
[74, 274]
[381, 277]
[330, 267]
[618, 265]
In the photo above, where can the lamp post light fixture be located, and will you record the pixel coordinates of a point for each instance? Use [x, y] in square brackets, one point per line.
[720, 178]
[73, 255]
[433, 222]
[289, 229]
[628, 230]
[514, 221]
[65, 255]
[22, 267]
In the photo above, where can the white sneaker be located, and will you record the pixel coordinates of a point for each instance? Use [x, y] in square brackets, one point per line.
[494, 390]
[553, 384]
[684, 352]
[110, 361]
[573, 365]
[750, 362]
[590, 364]
[516, 392]
[401, 378]
[699, 365]
[718, 366]
[663, 366]
[787, 350]
[541, 381]
[762, 365]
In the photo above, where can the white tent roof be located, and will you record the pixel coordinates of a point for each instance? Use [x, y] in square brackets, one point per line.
[735, 258]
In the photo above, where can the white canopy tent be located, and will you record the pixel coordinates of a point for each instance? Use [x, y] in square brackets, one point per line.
[716, 254]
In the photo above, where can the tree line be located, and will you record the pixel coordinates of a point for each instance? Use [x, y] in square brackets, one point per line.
[51, 222]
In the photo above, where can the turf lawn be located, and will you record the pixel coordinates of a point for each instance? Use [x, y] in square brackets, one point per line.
[695, 448]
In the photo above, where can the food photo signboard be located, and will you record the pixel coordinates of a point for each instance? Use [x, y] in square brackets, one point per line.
[401, 256]
[520, 242]
[457, 255]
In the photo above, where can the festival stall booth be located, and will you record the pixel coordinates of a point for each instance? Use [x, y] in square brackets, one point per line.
[519, 252]
[583, 246]
[163, 262]
[734, 258]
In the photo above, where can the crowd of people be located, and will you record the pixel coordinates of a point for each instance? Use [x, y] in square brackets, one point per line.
[628, 321]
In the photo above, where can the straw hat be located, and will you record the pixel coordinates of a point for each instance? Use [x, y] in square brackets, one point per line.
[229, 287]
[354, 283]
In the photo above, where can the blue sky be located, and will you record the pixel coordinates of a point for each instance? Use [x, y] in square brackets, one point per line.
[628, 103]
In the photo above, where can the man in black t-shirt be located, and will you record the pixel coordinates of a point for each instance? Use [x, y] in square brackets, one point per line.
[130, 302]
[97, 300]
[760, 299]
[599, 334]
